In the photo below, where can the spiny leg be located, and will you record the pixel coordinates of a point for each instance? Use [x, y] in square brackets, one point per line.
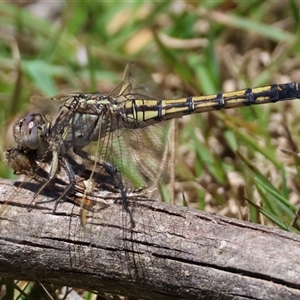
[52, 176]
[115, 174]
[71, 185]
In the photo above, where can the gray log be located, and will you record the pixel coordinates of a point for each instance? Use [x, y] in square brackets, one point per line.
[172, 252]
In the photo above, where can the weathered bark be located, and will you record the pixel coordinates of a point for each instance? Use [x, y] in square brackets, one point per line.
[172, 252]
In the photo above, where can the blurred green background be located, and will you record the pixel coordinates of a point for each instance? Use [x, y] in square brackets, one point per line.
[191, 48]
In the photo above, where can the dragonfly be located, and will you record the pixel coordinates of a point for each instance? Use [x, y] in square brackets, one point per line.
[117, 136]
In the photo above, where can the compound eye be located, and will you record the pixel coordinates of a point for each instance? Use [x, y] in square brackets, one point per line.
[28, 131]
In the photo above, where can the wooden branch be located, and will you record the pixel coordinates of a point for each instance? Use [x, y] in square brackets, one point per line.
[172, 252]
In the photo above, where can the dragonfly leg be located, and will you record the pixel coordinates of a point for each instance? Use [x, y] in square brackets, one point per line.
[52, 174]
[72, 182]
[114, 172]
[109, 168]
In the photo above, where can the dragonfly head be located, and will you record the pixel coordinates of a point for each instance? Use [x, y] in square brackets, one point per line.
[30, 132]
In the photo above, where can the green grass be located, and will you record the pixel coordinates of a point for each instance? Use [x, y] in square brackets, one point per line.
[228, 162]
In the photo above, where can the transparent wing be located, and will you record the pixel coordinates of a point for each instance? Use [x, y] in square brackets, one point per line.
[139, 154]
[136, 84]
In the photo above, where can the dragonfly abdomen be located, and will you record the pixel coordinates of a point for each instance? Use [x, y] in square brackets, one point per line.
[250, 96]
[153, 111]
